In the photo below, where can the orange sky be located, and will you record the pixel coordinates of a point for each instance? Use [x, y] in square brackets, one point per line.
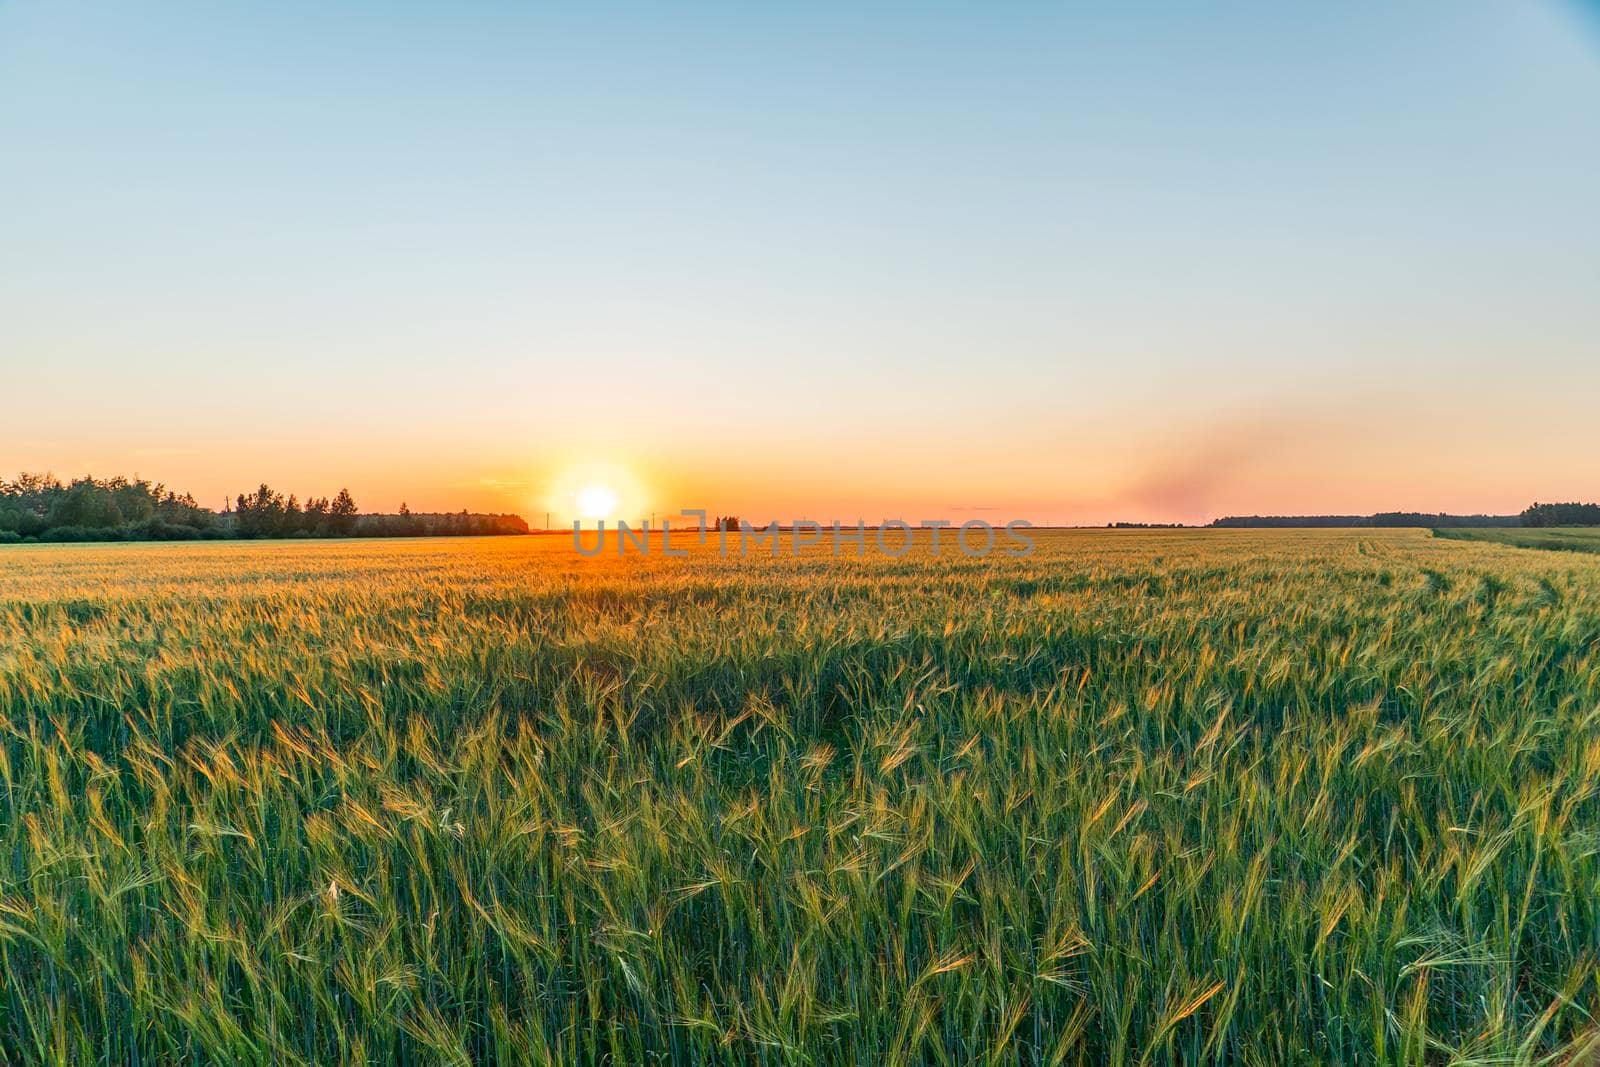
[1357, 457]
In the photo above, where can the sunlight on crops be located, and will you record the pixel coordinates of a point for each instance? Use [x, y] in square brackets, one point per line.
[1168, 797]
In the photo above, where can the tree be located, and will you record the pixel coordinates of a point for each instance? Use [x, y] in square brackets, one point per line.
[259, 515]
[315, 517]
[342, 513]
[85, 504]
[135, 501]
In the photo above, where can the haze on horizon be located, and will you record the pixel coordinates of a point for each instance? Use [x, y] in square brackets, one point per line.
[1064, 264]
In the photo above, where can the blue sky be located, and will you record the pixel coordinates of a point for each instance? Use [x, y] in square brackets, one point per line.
[1077, 262]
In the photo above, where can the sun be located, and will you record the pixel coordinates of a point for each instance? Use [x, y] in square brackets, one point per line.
[596, 501]
[589, 490]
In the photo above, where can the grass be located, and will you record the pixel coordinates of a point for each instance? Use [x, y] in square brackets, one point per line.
[1142, 798]
[1562, 538]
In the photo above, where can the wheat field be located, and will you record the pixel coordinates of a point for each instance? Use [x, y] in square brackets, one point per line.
[1164, 797]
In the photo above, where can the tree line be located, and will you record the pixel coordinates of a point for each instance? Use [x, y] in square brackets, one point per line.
[1387, 519]
[1537, 515]
[1562, 515]
[40, 507]
[267, 513]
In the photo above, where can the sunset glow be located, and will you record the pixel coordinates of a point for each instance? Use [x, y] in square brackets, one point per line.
[596, 502]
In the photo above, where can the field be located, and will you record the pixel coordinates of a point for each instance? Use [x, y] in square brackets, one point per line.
[1168, 797]
[1563, 538]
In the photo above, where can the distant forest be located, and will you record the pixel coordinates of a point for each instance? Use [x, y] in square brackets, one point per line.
[39, 507]
[1385, 518]
[1562, 515]
[1537, 515]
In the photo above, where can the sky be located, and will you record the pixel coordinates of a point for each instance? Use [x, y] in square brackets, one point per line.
[1068, 263]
